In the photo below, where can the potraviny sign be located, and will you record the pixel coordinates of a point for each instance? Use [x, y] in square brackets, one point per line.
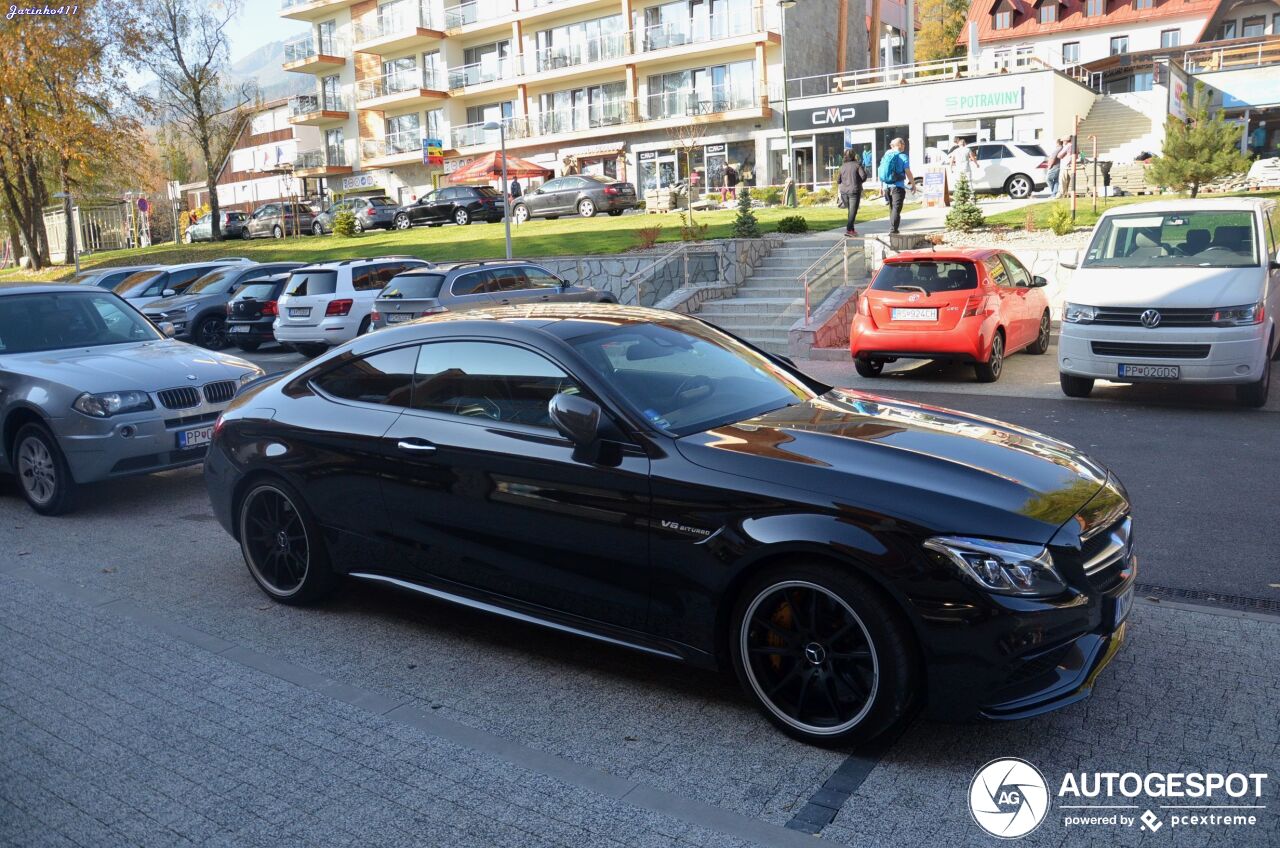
[1007, 99]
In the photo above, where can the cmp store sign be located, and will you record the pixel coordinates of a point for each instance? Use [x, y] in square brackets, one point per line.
[848, 114]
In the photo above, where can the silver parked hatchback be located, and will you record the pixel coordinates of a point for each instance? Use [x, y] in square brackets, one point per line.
[90, 390]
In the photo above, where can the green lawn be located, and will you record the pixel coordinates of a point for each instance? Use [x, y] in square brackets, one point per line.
[564, 237]
[1085, 216]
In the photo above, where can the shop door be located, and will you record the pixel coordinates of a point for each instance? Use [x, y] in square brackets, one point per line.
[716, 160]
[803, 166]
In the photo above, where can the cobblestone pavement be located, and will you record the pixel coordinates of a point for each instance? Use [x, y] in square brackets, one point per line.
[149, 694]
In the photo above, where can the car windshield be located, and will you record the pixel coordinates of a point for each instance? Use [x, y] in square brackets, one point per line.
[686, 377]
[1205, 238]
[929, 277]
[137, 282]
[303, 283]
[216, 282]
[58, 320]
[257, 291]
[414, 286]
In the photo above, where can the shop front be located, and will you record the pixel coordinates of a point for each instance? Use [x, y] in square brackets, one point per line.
[1251, 98]
[703, 166]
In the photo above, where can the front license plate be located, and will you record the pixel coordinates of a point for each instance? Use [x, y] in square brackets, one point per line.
[237, 328]
[398, 317]
[915, 314]
[1149, 372]
[299, 311]
[1124, 605]
[195, 438]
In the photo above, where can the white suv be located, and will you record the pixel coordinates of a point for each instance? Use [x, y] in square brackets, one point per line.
[1182, 291]
[1015, 169]
[329, 303]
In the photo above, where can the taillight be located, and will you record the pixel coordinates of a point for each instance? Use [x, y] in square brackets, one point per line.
[864, 306]
[612, 190]
[338, 307]
[973, 305]
[269, 308]
[375, 315]
[1043, 164]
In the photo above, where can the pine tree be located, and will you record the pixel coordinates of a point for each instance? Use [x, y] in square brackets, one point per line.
[745, 225]
[1199, 150]
[965, 214]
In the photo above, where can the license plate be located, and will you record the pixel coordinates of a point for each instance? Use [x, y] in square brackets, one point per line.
[915, 314]
[234, 328]
[1124, 605]
[195, 438]
[299, 311]
[396, 318]
[1149, 372]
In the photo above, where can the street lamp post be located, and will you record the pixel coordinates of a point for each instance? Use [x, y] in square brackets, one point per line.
[506, 198]
[786, 111]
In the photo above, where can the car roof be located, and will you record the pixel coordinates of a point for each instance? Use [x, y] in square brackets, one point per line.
[115, 269]
[346, 263]
[45, 288]
[565, 321]
[962, 254]
[1233, 204]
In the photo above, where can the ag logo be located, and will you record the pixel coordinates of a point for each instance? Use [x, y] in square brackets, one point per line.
[1008, 798]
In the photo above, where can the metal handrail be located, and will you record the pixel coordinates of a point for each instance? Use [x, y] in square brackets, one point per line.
[682, 251]
[807, 276]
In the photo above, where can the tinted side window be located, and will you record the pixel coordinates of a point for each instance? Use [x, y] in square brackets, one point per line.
[386, 272]
[540, 279]
[488, 381]
[477, 282]
[447, 194]
[1018, 275]
[385, 378]
[365, 279]
[510, 279]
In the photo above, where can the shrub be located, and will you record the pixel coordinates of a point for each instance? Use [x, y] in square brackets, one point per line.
[802, 196]
[745, 224]
[814, 198]
[769, 196]
[1060, 219]
[344, 223]
[647, 237]
[690, 231]
[965, 215]
[793, 224]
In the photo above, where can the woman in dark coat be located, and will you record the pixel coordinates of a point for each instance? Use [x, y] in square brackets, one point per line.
[852, 176]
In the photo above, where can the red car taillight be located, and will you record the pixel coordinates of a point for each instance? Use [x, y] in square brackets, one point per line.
[375, 315]
[269, 308]
[974, 305]
[864, 306]
[338, 307]
[612, 190]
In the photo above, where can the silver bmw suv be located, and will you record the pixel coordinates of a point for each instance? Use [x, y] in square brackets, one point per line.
[90, 390]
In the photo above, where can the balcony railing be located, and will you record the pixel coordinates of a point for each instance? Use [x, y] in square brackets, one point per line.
[391, 145]
[612, 45]
[305, 46]
[476, 11]
[394, 83]
[606, 114]
[321, 157]
[1251, 55]
[489, 70]
[700, 30]
[307, 104]
[394, 19]
[690, 102]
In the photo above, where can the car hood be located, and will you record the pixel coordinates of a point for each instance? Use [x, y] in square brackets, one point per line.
[1171, 288]
[142, 366]
[180, 301]
[945, 471]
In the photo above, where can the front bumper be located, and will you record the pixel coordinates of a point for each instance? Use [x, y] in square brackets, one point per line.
[1236, 354]
[968, 341]
[127, 445]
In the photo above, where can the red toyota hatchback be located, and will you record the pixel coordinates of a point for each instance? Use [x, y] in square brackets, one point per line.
[974, 306]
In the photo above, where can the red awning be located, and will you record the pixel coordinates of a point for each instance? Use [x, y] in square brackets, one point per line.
[489, 167]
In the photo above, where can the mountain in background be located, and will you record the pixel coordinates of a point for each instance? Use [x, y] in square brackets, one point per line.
[263, 66]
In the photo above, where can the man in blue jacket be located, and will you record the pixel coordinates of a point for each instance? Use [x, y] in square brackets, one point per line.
[894, 172]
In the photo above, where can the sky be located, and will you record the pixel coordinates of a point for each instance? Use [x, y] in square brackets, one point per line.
[259, 23]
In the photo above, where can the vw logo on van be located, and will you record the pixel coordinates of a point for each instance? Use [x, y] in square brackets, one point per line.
[1150, 319]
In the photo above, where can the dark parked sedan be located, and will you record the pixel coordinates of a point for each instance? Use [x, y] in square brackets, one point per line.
[642, 478]
[252, 313]
[577, 195]
[459, 204]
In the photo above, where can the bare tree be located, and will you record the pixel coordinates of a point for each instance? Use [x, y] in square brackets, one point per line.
[187, 50]
[686, 139]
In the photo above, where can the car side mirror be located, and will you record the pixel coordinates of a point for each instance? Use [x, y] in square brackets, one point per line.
[1038, 282]
[167, 329]
[576, 418]
[168, 293]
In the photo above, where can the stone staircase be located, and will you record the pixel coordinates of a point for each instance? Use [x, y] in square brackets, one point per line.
[772, 299]
[1122, 131]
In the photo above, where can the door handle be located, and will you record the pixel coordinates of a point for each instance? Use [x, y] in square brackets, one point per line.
[505, 300]
[416, 446]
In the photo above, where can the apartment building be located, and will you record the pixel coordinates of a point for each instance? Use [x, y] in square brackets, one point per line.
[600, 86]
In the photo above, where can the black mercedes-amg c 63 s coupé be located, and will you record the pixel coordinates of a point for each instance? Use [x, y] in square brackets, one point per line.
[644, 479]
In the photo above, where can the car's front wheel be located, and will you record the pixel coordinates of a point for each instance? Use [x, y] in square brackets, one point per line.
[277, 232]
[1041, 344]
[317, 229]
[211, 333]
[823, 654]
[43, 474]
[1255, 394]
[282, 545]
[1076, 387]
[245, 234]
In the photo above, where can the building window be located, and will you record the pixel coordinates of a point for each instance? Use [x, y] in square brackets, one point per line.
[1002, 20]
[1070, 52]
[1119, 44]
[1228, 29]
[1144, 4]
[1048, 12]
[1095, 8]
[404, 133]
[1275, 24]
[1254, 27]
[435, 124]
[1170, 37]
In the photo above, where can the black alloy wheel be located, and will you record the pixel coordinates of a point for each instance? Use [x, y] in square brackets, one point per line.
[211, 333]
[1041, 344]
[281, 546]
[989, 371]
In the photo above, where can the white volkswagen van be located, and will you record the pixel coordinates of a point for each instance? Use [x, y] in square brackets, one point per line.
[1179, 291]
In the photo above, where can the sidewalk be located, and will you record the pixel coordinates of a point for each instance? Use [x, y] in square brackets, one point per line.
[932, 219]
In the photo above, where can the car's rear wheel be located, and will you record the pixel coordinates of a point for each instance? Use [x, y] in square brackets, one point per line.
[869, 367]
[248, 347]
[44, 477]
[364, 326]
[311, 351]
[587, 207]
[1255, 394]
[1041, 344]
[1076, 387]
[282, 545]
[823, 654]
[211, 333]
[520, 214]
[461, 217]
[613, 213]
[989, 371]
[359, 226]
[1019, 186]
[317, 229]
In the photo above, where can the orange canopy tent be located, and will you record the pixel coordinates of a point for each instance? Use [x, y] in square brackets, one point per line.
[489, 167]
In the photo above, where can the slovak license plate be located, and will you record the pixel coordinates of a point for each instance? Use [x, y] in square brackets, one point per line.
[397, 317]
[1124, 605]
[915, 314]
[1149, 372]
[195, 438]
[299, 311]
[237, 328]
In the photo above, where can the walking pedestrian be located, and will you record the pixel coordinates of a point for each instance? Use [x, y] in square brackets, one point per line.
[1066, 158]
[852, 176]
[895, 170]
[730, 189]
[961, 161]
[1055, 168]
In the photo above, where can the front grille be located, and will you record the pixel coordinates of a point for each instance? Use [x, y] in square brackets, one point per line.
[220, 392]
[1151, 351]
[1033, 667]
[183, 398]
[1132, 317]
[191, 420]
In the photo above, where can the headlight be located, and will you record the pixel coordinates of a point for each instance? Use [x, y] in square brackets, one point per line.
[1075, 313]
[250, 376]
[1239, 316]
[107, 404]
[1004, 568]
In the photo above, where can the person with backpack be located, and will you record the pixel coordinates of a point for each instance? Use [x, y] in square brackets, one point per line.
[849, 184]
[730, 188]
[514, 188]
[894, 172]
